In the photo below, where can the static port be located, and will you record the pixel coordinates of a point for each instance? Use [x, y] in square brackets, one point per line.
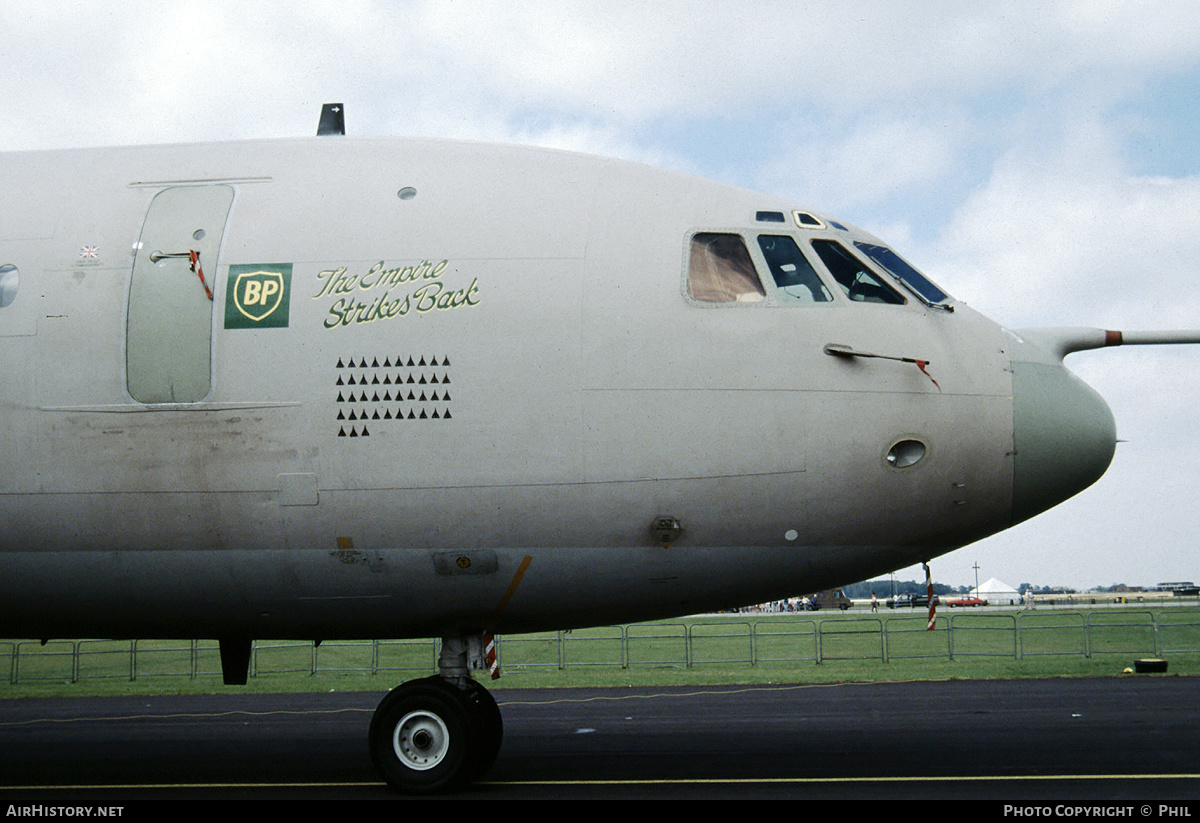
[906, 453]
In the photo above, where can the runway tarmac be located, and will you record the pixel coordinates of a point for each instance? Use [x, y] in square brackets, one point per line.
[1132, 738]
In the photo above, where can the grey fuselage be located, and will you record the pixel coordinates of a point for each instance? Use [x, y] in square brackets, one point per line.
[447, 387]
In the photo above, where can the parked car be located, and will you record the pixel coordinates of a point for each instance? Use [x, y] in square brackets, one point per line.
[911, 601]
[966, 601]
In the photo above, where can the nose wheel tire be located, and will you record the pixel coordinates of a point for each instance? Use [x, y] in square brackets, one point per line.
[429, 736]
[490, 726]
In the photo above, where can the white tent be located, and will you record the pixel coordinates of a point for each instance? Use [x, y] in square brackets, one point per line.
[997, 593]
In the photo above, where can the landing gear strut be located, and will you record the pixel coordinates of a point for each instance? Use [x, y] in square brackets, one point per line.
[439, 733]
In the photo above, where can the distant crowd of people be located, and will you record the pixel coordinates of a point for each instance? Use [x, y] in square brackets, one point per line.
[805, 604]
[791, 604]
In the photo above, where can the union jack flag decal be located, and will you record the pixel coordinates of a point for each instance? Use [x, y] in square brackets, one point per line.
[89, 252]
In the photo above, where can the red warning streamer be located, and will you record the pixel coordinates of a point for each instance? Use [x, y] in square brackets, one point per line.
[195, 257]
[489, 650]
[932, 602]
[489, 640]
[921, 364]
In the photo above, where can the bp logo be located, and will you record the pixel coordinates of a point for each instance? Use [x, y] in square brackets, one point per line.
[258, 296]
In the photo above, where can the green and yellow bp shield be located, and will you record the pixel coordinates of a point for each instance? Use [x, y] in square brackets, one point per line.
[258, 296]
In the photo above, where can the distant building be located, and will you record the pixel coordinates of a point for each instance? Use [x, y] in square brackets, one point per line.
[1182, 589]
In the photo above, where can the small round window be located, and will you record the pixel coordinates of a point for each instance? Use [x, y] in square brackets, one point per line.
[9, 277]
[906, 453]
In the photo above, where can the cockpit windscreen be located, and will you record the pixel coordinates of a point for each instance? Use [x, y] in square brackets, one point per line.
[856, 279]
[902, 271]
[795, 277]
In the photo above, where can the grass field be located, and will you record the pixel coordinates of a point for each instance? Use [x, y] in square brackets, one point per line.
[718, 649]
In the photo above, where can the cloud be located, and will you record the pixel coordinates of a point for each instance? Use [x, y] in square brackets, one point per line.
[691, 59]
[1072, 236]
[92, 72]
[868, 161]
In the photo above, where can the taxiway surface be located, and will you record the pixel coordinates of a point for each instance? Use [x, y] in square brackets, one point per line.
[1094, 739]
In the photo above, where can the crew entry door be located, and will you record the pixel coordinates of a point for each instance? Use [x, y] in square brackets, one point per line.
[168, 339]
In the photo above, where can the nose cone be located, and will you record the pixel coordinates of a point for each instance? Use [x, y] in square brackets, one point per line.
[1064, 436]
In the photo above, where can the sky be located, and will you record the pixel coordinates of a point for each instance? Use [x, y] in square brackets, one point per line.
[1039, 160]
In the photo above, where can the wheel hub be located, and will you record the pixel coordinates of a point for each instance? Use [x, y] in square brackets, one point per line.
[421, 740]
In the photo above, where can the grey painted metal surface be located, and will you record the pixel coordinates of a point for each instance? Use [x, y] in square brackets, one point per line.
[452, 387]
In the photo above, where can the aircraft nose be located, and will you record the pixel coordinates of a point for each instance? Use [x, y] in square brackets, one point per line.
[1064, 437]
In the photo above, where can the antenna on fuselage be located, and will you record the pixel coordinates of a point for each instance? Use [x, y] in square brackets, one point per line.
[333, 120]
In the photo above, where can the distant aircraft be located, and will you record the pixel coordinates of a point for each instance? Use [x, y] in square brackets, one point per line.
[335, 388]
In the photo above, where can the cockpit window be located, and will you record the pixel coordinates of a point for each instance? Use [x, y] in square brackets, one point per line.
[720, 270]
[795, 278]
[903, 272]
[856, 279]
